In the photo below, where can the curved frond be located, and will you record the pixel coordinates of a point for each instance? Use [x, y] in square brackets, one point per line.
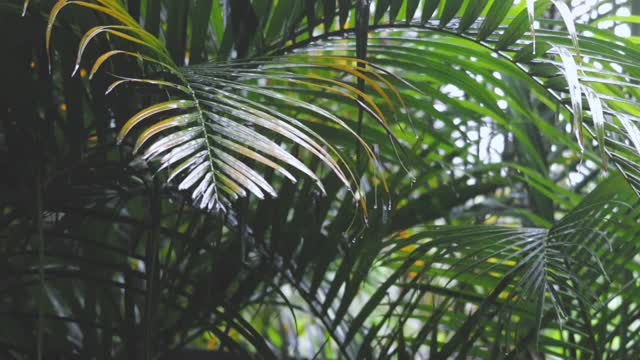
[566, 66]
[218, 120]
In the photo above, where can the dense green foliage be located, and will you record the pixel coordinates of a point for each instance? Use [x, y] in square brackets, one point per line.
[320, 179]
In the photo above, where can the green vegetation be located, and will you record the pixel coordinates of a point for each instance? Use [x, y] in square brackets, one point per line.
[320, 179]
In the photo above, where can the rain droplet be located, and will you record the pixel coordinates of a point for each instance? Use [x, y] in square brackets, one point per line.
[375, 195]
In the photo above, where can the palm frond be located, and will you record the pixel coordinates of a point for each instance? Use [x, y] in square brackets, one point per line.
[567, 65]
[509, 275]
[204, 131]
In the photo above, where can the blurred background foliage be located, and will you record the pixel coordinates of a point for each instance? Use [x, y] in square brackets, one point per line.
[493, 210]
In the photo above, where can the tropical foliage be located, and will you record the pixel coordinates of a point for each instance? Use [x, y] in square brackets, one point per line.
[320, 179]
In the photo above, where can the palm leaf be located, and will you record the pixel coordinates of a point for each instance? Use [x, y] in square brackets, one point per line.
[210, 124]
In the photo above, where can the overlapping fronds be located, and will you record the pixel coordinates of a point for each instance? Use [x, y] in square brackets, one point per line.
[587, 71]
[542, 271]
[565, 68]
[505, 240]
[519, 280]
[210, 125]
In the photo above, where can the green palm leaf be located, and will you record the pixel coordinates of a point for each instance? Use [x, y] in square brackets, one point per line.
[212, 126]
